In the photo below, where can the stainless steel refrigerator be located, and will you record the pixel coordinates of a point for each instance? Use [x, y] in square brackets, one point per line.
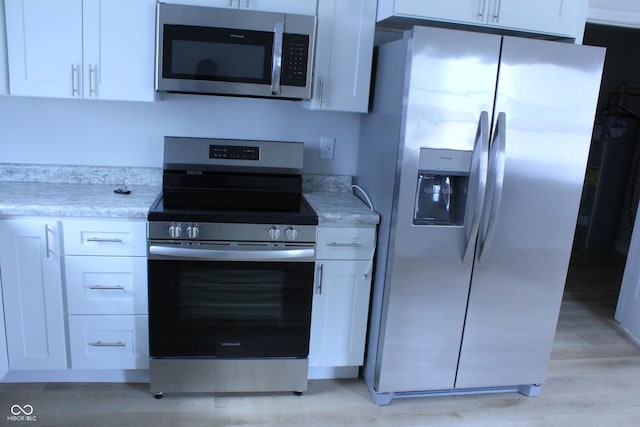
[474, 154]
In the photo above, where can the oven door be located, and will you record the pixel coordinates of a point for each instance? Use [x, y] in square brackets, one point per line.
[230, 301]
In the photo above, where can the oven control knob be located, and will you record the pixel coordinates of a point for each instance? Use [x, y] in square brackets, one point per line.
[274, 233]
[193, 231]
[291, 233]
[175, 231]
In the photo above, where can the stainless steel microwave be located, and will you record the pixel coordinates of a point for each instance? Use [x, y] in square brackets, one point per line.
[219, 51]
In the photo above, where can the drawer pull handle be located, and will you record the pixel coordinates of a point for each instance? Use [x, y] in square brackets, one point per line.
[107, 344]
[345, 245]
[104, 240]
[107, 288]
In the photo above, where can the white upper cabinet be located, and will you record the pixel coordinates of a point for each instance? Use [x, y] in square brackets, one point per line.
[227, 4]
[622, 13]
[300, 7]
[101, 49]
[344, 50]
[558, 17]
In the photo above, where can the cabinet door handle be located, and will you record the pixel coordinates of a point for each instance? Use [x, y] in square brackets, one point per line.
[248, 4]
[496, 11]
[481, 5]
[47, 248]
[92, 71]
[74, 70]
[345, 245]
[104, 240]
[321, 90]
[230, 3]
[107, 344]
[107, 288]
[319, 286]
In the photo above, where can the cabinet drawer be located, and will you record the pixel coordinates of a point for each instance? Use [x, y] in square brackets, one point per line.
[345, 242]
[106, 285]
[109, 342]
[124, 238]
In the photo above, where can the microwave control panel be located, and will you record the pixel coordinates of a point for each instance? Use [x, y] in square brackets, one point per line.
[295, 53]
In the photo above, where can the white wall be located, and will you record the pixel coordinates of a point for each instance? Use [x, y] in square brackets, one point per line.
[109, 133]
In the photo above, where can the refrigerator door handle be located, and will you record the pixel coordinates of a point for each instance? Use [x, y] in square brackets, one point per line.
[496, 168]
[479, 167]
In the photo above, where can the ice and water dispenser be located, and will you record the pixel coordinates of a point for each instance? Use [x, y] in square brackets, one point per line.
[441, 191]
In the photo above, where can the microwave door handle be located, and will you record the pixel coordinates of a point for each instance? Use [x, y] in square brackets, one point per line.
[276, 68]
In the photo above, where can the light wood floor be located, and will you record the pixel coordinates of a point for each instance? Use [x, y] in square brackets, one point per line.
[593, 380]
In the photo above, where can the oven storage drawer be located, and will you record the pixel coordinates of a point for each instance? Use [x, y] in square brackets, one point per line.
[109, 342]
[106, 285]
[345, 242]
[118, 238]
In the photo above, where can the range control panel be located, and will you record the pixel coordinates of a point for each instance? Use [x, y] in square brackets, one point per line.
[233, 152]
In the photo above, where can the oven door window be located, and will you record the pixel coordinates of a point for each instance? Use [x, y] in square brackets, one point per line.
[217, 54]
[229, 309]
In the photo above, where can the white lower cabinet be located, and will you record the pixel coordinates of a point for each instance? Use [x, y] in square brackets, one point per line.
[105, 269]
[109, 341]
[339, 315]
[341, 301]
[32, 294]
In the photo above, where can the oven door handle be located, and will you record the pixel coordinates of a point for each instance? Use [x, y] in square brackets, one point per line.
[233, 255]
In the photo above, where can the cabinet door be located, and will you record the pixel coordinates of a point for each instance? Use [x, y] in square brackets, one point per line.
[106, 284]
[542, 16]
[104, 237]
[109, 342]
[348, 243]
[32, 294]
[339, 314]
[4, 73]
[44, 46]
[118, 52]
[300, 7]
[468, 11]
[344, 50]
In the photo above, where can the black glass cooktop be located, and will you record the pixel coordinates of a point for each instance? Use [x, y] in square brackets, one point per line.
[290, 211]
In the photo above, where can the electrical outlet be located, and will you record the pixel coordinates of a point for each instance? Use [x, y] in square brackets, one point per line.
[326, 147]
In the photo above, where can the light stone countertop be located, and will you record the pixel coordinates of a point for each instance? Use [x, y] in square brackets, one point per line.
[87, 191]
[341, 208]
[99, 200]
[77, 200]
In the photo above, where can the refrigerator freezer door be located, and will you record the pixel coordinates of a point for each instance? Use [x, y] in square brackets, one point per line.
[452, 79]
[548, 93]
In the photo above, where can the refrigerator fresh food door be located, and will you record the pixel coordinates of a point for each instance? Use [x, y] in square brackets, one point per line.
[451, 83]
[545, 103]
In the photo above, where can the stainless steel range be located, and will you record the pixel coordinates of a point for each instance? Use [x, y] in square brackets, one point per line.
[231, 251]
